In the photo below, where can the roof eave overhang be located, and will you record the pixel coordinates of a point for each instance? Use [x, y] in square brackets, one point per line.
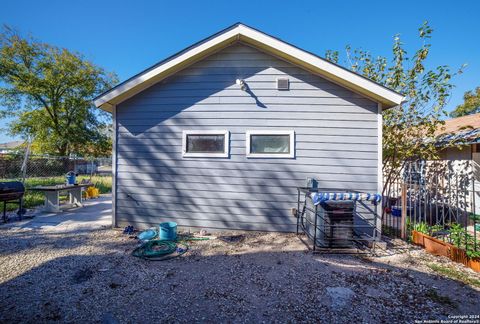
[332, 72]
[157, 74]
[264, 42]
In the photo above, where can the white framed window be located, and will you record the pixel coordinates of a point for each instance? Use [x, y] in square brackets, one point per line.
[270, 143]
[205, 143]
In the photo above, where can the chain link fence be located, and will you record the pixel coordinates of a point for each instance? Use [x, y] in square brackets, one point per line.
[14, 166]
[43, 170]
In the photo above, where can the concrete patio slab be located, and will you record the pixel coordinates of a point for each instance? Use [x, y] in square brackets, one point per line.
[95, 214]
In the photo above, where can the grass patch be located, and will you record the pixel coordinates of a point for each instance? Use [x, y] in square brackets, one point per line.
[454, 274]
[33, 198]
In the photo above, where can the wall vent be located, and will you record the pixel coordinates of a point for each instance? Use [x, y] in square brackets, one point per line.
[283, 84]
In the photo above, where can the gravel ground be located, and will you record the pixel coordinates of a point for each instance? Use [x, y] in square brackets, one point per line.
[90, 276]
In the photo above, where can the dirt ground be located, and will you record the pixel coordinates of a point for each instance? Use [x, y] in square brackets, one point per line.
[90, 276]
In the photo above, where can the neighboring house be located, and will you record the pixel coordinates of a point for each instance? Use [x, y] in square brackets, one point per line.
[221, 134]
[463, 158]
[10, 147]
[464, 130]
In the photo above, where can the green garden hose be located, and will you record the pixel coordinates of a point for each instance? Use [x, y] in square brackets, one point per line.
[160, 250]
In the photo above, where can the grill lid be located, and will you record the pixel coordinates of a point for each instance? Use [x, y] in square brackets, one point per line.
[11, 190]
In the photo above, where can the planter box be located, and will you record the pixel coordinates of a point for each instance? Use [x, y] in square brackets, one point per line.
[438, 247]
[431, 244]
[418, 238]
[459, 255]
[474, 264]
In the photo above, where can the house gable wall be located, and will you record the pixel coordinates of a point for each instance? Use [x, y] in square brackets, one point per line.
[336, 132]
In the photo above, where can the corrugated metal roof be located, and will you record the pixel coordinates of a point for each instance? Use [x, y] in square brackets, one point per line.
[464, 129]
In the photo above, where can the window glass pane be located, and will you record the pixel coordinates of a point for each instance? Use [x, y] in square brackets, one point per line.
[205, 143]
[270, 144]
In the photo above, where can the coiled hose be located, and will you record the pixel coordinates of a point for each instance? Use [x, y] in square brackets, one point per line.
[161, 250]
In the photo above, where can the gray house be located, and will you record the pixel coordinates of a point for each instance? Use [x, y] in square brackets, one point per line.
[221, 134]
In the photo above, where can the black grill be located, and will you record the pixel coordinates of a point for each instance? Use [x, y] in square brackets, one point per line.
[11, 192]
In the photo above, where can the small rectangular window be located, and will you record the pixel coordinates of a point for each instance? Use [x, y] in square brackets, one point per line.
[205, 143]
[274, 144]
[270, 144]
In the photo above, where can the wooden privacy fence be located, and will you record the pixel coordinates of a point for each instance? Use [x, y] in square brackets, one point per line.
[440, 198]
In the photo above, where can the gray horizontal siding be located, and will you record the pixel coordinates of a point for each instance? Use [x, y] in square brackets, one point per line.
[240, 147]
[205, 184]
[270, 179]
[241, 154]
[152, 197]
[308, 135]
[315, 164]
[244, 115]
[335, 130]
[227, 223]
[249, 123]
[260, 82]
[234, 92]
[239, 139]
[261, 167]
[243, 99]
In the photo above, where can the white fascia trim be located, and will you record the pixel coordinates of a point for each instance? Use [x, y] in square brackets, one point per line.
[114, 165]
[322, 64]
[269, 41]
[164, 67]
[226, 149]
[248, 137]
[380, 149]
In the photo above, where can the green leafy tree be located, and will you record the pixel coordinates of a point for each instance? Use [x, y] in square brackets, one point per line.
[471, 104]
[409, 130]
[47, 92]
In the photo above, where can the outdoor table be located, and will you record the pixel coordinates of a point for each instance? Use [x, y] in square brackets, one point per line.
[52, 196]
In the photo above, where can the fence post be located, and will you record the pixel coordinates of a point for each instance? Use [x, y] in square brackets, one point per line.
[404, 211]
[25, 161]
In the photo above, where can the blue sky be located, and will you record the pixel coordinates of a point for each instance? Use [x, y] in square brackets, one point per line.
[128, 36]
